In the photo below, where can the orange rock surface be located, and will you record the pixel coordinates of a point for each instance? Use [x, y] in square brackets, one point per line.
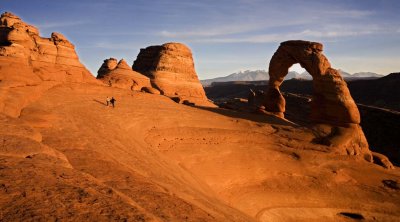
[333, 110]
[171, 69]
[332, 102]
[68, 156]
[120, 75]
[33, 64]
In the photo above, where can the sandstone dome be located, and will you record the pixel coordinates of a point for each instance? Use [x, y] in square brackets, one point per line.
[120, 75]
[170, 68]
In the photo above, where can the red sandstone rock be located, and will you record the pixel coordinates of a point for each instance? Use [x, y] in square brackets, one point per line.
[106, 67]
[151, 90]
[120, 75]
[33, 63]
[171, 69]
[332, 105]
[332, 102]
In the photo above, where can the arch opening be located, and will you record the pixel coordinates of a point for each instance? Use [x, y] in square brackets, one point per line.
[298, 69]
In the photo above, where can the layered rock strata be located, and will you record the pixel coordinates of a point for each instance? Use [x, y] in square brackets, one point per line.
[170, 68]
[333, 110]
[30, 64]
[120, 75]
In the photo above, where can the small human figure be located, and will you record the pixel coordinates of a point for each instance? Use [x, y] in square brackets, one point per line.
[112, 101]
[108, 100]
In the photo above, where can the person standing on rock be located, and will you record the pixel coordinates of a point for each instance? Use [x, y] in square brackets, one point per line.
[112, 101]
[108, 100]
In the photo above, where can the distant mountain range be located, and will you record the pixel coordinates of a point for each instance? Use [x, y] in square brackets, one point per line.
[260, 75]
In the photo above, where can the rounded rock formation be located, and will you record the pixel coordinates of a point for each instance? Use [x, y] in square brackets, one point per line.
[120, 75]
[333, 110]
[170, 68]
[106, 67]
[33, 64]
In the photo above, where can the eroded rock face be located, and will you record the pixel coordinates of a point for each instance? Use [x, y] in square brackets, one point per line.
[333, 110]
[33, 64]
[107, 66]
[170, 68]
[120, 75]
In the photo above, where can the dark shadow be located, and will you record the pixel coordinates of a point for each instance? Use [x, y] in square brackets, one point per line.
[102, 103]
[391, 184]
[255, 117]
[355, 216]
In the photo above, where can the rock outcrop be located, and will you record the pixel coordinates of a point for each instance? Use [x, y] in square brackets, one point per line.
[30, 64]
[333, 110]
[107, 66]
[120, 75]
[170, 68]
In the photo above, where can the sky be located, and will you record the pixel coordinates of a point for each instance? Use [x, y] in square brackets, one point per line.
[225, 36]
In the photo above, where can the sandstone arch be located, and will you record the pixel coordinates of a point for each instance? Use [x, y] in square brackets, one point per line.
[333, 110]
[332, 102]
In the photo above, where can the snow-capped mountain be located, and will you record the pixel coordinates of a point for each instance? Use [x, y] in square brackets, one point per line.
[259, 75]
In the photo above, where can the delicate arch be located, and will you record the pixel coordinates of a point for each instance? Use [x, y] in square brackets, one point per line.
[332, 102]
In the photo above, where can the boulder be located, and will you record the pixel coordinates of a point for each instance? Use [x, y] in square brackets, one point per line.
[33, 63]
[170, 68]
[121, 75]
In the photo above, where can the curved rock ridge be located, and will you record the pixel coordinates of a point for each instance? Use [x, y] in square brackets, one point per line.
[170, 68]
[33, 64]
[333, 110]
[120, 75]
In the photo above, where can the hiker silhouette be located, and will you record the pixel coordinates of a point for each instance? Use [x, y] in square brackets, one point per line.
[108, 100]
[112, 101]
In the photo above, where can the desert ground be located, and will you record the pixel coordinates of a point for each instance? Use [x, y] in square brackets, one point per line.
[69, 156]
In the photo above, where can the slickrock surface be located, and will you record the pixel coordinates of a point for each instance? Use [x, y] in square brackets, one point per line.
[171, 69]
[70, 157]
[332, 107]
[33, 64]
[120, 75]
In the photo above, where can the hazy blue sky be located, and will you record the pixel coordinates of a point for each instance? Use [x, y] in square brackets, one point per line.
[225, 35]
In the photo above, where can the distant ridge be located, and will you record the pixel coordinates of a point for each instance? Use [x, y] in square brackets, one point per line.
[261, 75]
[248, 75]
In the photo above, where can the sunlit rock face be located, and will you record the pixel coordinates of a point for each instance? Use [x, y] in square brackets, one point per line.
[120, 75]
[33, 64]
[171, 69]
[333, 110]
